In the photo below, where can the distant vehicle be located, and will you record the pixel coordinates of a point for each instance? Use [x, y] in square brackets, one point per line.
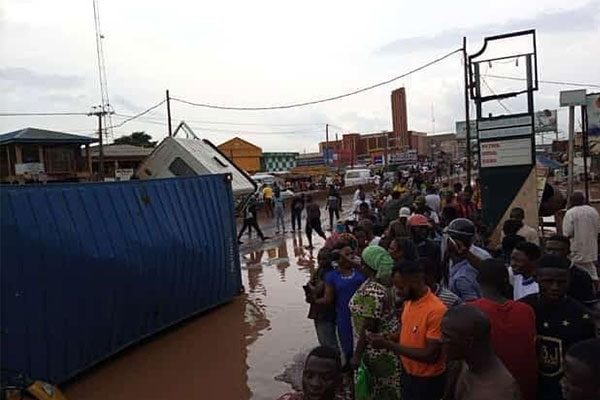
[192, 157]
[263, 179]
[355, 177]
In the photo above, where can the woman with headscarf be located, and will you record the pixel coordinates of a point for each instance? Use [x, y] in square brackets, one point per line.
[372, 310]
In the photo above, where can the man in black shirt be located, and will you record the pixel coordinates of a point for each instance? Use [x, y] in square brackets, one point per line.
[313, 220]
[581, 287]
[561, 322]
[250, 220]
[297, 207]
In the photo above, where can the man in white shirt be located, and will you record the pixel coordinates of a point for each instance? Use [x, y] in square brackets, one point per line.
[521, 272]
[581, 224]
[530, 234]
[357, 193]
[432, 199]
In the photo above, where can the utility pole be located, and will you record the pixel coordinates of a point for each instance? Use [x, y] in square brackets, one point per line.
[584, 134]
[571, 180]
[100, 112]
[169, 114]
[385, 153]
[467, 120]
[327, 144]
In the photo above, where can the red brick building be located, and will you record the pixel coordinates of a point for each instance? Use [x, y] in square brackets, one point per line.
[400, 117]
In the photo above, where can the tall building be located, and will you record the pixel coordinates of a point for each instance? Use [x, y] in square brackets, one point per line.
[399, 117]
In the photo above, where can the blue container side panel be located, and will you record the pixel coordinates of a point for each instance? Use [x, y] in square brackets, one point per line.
[88, 269]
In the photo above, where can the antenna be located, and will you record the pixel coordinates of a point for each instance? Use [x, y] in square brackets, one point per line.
[102, 73]
[432, 119]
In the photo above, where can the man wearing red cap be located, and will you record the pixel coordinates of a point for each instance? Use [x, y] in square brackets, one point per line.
[426, 247]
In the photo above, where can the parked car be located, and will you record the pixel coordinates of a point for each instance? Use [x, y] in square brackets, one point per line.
[355, 177]
[263, 179]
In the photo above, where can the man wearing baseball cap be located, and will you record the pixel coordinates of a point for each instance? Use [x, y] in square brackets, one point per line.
[399, 228]
[419, 230]
[462, 274]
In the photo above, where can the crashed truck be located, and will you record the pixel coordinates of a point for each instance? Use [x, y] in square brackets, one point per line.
[185, 154]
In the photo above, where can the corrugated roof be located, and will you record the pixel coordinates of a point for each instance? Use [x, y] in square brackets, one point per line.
[237, 140]
[35, 135]
[122, 150]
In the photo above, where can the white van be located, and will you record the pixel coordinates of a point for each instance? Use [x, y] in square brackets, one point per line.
[191, 157]
[263, 179]
[355, 177]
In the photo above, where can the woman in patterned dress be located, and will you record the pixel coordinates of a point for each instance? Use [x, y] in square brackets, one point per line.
[372, 310]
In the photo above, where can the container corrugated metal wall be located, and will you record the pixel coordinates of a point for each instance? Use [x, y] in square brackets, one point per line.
[88, 269]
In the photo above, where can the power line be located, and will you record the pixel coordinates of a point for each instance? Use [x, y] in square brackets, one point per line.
[494, 93]
[514, 78]
[227, 123]
[238, 131]
[102, 69]
[139, 115]
[294, 132]
[40, 114]
[341, 96]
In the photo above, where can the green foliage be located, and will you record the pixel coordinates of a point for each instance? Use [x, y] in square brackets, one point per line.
[141, 139]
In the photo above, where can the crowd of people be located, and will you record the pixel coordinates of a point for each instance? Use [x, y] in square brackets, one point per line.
[409, 301]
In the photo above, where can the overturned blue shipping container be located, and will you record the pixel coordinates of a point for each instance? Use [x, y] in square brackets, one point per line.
[88, 269]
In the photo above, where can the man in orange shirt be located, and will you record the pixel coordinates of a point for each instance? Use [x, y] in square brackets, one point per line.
[419, 346]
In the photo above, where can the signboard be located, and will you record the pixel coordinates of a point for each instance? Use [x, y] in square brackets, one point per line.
[461, 129]
[505, 153]
[408, 157]
[544, 121]
[123, 174]
[29, 168]
[328, 156]
[593, 116]
[505, 132]
[572, 98]
[378, 159]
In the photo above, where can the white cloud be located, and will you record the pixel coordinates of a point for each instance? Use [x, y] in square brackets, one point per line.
[268, 52]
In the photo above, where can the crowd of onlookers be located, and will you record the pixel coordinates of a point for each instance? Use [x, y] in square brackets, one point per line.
[410, 301]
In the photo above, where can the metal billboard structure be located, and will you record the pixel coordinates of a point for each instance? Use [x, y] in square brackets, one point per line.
[507, 141]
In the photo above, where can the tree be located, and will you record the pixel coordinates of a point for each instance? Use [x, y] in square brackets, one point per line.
[141, 139]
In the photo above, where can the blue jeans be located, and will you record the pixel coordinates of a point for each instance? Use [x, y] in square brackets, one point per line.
[279, 214]
[326, 333]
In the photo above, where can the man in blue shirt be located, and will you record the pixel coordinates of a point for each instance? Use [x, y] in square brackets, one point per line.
[462, 279]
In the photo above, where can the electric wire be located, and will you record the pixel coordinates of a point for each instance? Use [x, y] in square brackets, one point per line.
[514, 78]
[108, 123]
[187, 120]
[237, 131]
[139, 114]
[328, 99]
[494, 93]
[40, 114]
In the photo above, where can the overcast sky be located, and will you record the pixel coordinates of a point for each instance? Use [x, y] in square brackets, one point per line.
[261, 53]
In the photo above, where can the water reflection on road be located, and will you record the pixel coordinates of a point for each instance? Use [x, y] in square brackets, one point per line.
[233, 352]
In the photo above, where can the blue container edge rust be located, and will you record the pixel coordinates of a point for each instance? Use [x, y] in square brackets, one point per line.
[88, 269]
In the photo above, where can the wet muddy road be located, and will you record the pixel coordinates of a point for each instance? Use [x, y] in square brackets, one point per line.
[232, 352]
